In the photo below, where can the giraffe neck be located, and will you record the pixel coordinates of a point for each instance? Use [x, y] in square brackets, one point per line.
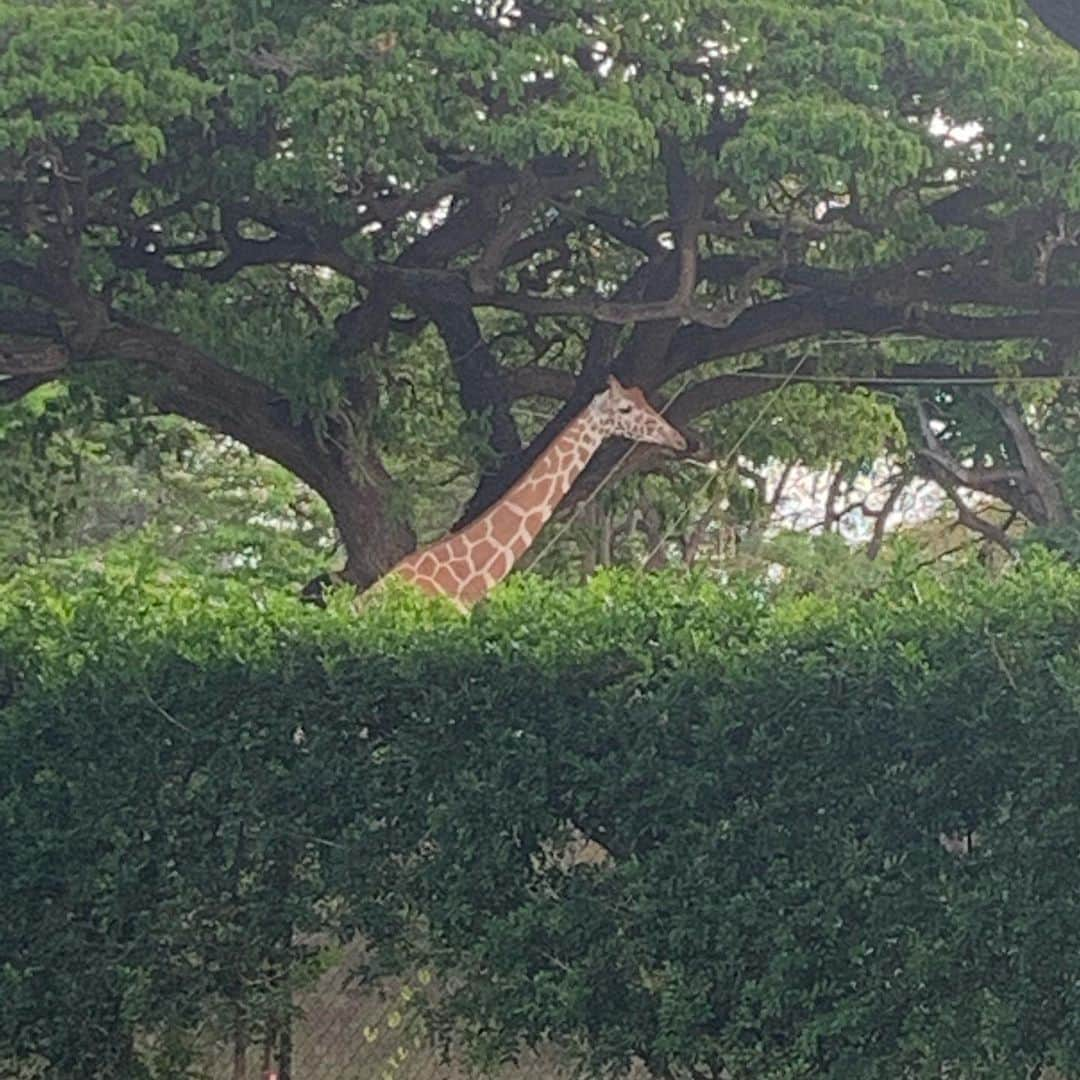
[466, 564]
[535, 497]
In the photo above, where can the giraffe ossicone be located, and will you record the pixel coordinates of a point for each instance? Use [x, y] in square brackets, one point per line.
[467, 564]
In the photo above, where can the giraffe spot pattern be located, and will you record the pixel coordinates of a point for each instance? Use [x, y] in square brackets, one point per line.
[475, 587]
[466, 564]
[483, 553]
[445, 580]
[504, 524]
[539, 493]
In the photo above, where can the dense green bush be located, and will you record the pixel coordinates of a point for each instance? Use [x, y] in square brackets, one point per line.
[193, 783]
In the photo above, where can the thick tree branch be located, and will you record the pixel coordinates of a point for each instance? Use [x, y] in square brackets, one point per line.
[961, 207]
[612, 311]
[548, 239]
[17, 386]
[965, 515]
[536, 381]
[981, 478]
[351, 479]
[480, 391]
[27, 323]
[1017, 488]
[1060, 16]
[19, 357]
[881, 517]
[504, 245]
[1043, 476]
[26, 279]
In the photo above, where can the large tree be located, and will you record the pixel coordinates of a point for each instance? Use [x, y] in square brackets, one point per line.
[258, 216]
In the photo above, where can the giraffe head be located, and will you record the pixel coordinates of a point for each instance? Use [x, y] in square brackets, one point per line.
[622, 410]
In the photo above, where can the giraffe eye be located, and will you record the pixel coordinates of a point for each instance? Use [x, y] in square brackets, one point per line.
[625, 408]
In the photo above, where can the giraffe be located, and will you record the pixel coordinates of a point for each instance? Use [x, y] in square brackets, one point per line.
[466, 564]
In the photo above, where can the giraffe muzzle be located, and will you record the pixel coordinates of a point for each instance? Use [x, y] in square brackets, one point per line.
[666, 435]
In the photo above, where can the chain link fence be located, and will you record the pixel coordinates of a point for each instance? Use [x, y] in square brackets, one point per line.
[342, 1030]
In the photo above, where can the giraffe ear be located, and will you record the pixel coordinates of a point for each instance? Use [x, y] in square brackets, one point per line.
[614, 384]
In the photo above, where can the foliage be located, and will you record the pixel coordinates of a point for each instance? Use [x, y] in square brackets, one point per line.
[86, 475]
[194, 779]
[276, 218]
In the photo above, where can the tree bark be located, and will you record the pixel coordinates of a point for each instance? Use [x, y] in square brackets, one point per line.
[181, 379]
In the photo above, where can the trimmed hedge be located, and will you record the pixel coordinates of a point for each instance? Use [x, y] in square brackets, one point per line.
[192, 784]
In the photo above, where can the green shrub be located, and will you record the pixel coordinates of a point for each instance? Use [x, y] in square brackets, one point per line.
[192, 784]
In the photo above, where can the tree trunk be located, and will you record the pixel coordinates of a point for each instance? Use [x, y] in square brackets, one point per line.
[350, 477]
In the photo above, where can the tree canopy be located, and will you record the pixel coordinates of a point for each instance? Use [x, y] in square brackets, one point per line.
[333, 232]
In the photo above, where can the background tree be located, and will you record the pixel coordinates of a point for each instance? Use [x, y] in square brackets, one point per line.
[84, 476]
[258, 217]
